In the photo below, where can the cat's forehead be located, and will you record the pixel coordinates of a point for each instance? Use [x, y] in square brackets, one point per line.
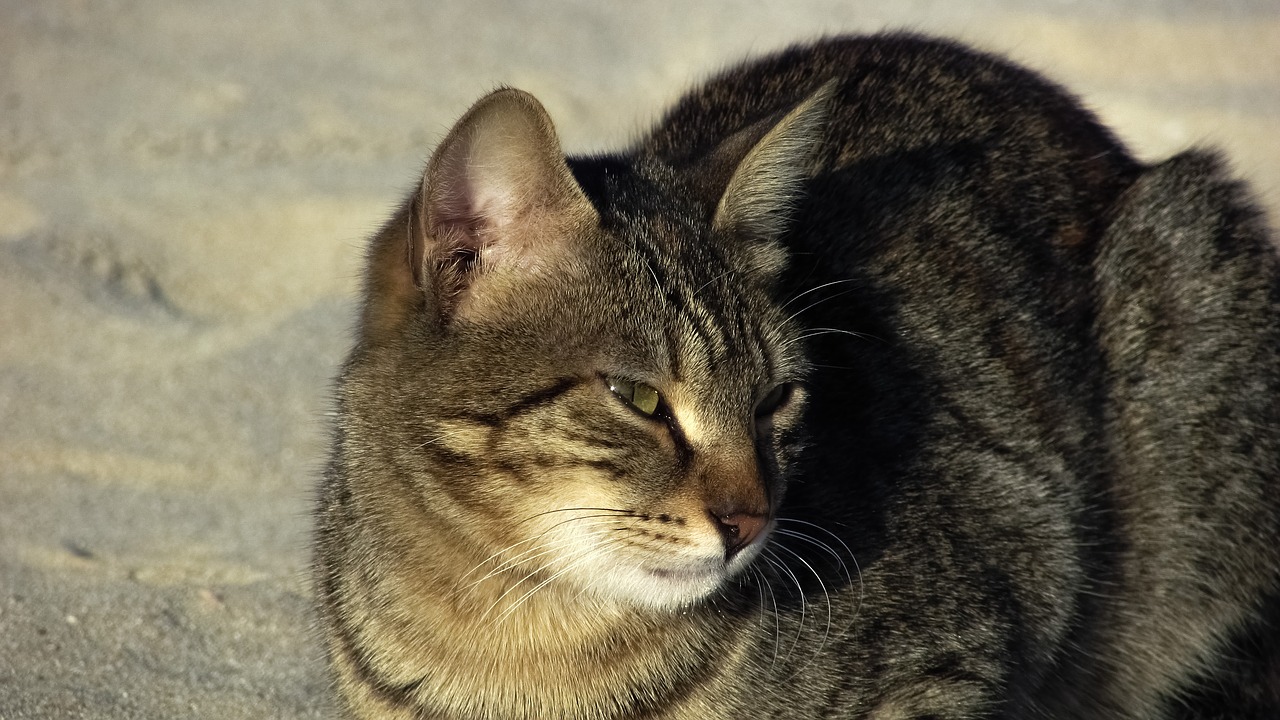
[705, 326]
[630, 192]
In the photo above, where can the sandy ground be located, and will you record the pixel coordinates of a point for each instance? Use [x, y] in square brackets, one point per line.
[184, 189]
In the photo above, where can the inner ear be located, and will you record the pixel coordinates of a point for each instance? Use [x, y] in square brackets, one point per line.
[497, 197]
[761, 171]
[767, 180]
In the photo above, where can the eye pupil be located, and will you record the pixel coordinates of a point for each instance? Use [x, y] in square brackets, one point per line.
[645, 399]
[638, 395]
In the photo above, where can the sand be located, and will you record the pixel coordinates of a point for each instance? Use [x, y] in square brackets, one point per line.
[184, 193]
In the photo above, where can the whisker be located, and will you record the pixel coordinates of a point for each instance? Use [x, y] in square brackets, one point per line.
[816, 303]
[816, 288]
[857, 568]
[444, 435]
[524, 556]
[844, 570]
[833, 367]
[777, 563]
[498, 600]
[578, 509]
[582, 557]
[777, 622]
[826, 632]
[653, 273]
[705, 284]
[817, 332]
[625, 514]
[535, 538]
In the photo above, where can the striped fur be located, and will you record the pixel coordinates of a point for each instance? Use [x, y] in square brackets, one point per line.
[964, 413]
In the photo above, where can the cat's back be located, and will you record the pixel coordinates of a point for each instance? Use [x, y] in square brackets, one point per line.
[928, 145]
[899, 93]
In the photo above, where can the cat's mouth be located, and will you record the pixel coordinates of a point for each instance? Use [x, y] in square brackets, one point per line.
[687, 574]
[689, 582]
[677, 585]
[707, 572]
[666, 575]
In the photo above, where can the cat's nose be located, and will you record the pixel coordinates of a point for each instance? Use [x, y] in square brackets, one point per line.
[737, 529]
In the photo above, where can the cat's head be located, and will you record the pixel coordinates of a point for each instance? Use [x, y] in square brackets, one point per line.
[595, 385]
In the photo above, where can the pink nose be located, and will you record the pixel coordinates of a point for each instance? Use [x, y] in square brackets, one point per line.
[737, 529]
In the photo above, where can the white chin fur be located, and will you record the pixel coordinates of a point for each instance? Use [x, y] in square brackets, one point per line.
[660, 583]
[658, 587]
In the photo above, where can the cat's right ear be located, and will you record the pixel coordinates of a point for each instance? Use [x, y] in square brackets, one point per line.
[498, 206]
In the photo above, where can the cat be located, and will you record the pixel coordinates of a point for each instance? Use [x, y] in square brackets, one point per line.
[878, 380]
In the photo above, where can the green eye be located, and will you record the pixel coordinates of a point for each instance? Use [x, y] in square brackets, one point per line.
[636, 394]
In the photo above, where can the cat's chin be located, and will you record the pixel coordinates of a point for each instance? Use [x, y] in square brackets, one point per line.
[662, 587]
[668, 586]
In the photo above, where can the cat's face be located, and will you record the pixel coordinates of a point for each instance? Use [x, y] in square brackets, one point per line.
[623, 429]
[606, 403]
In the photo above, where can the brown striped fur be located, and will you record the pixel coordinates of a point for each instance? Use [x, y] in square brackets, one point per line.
[964, 413]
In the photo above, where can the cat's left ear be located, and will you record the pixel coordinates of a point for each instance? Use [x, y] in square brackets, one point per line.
[768, 179]
[498, 206]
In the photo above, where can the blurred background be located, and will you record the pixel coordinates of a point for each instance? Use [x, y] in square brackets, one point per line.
[185, 188]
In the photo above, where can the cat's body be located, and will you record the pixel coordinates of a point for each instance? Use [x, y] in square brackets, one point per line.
[961, 413]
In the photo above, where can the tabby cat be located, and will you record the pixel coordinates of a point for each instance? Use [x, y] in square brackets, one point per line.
[877, 381]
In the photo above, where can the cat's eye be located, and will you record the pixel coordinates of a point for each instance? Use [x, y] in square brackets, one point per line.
[774, 399]
[638, 395]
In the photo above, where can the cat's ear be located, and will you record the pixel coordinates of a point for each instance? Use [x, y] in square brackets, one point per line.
[767, 179]
[497, 203]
